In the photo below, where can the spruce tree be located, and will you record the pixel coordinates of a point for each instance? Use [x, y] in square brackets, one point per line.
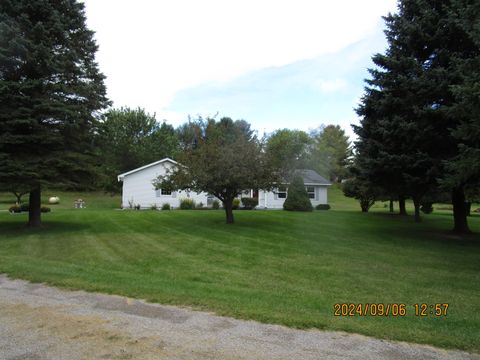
[412, 98]
[297, 197]
[50, 91]
[463, 170]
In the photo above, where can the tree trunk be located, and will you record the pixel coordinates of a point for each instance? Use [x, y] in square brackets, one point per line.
[459, 211]
[401, 205]
[468, 206]
[416, 203]
[365, 204]
[34, 213]
[391, 205]
[228, 205]
[19, 197]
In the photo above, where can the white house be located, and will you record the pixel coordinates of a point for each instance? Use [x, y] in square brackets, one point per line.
[138, 189]
[315, 185]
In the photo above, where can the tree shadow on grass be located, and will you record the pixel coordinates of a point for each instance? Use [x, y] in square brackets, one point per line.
[12, 229]
[427, 230]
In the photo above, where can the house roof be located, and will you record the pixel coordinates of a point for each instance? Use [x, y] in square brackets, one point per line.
[121, 176]
[311, 177]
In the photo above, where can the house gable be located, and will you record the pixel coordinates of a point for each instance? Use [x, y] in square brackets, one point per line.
[122, 176]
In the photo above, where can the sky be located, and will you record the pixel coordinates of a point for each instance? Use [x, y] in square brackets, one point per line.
[276, 64]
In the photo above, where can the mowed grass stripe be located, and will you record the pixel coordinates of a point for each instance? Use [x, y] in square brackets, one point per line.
[271, 266]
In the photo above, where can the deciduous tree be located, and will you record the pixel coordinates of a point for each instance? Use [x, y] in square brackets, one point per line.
[222, 158]
[288, 150]
[331, 152]
[130, 138]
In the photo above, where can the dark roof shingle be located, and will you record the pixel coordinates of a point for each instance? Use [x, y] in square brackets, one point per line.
[312, 177]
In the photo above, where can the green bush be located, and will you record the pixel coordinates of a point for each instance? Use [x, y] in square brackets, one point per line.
[362, 190]
[15, 209]
[297, 197]
[215, 204]
[426, 208]
[199, 205]
[322, 207]
[166, 206]
[235, 204]
[187, 204]
[249, 203]
[26, 208]
[153, 207]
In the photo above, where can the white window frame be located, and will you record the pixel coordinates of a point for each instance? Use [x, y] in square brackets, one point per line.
[283, 192]
[160, 192]
[310, 193]
[210, 199]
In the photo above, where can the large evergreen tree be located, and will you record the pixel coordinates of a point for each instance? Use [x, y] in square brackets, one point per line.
[463, 170]
[50, 89]
[412, 94]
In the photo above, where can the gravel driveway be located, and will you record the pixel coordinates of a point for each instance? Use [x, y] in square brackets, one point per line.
[42, 322]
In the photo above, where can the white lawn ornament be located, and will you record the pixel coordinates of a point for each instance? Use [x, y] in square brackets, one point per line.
[54, 200]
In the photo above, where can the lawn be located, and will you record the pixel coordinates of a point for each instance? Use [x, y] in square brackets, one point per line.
[271, 266]
[93, 200]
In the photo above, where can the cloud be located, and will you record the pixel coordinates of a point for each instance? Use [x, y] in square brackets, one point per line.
[301, 95]
[150, 50]
[333, 85]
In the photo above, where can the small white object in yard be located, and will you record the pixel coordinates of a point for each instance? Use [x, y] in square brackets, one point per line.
[54, 200]
[79, 204]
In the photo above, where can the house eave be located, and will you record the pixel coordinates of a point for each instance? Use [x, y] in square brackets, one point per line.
[122, 176]
[308, 183]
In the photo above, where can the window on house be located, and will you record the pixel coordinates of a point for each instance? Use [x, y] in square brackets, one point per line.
[162, 192]
[210, 199]
[282, 192]
[310, 191]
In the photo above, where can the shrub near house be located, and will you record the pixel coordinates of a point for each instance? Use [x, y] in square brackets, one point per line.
[297, 198]
[187, 204]
[249, 203]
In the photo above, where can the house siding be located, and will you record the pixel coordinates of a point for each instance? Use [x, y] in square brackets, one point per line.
[139, 190]
[269, 200]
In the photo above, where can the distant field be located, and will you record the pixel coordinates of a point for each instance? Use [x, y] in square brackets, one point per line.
[271, 266]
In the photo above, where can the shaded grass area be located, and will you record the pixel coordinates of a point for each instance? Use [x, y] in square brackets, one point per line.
[93, 199]
[271, 266]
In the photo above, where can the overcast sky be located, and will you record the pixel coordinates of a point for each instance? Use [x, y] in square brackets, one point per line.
[277, 64]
